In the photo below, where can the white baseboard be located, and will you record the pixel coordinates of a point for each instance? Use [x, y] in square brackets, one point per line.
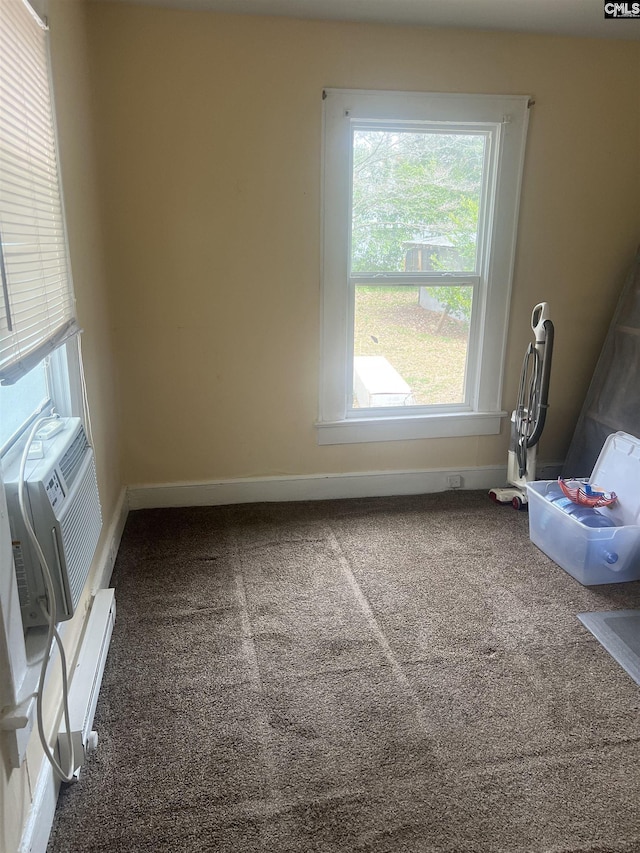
[109, 550]
[35, 836]
[312, 487]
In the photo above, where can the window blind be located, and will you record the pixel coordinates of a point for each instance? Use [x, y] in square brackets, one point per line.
[37, 310]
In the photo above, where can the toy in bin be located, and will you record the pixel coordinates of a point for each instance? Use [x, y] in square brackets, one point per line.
[581, 501]
[587, 495]
[593, 533]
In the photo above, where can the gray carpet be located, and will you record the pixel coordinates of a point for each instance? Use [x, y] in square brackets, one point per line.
[398, 675]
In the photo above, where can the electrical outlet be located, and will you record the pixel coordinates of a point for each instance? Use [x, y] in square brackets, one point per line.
[454, 481]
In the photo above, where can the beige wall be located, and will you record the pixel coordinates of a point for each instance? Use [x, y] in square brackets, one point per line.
[210, 134]
[77, 155]
[69, 62]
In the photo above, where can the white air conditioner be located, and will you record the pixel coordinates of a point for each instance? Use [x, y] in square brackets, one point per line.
[61, 493]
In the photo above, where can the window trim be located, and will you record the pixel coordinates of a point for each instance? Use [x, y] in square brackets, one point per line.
[344, 109]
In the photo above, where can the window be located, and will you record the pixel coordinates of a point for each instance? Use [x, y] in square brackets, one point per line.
[22, 402]
[36, 394]
[37, 312]
[420, 211]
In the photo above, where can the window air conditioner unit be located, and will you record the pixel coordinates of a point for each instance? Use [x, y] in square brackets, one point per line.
[61, 496]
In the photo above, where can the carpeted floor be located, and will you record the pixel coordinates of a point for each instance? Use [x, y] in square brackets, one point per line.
[397, 675]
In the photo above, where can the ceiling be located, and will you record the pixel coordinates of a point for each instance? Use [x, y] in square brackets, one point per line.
[562, 17]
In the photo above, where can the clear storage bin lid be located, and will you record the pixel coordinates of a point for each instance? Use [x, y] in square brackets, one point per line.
[617, 469]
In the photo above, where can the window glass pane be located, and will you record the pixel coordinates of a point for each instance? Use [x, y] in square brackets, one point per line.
[410, 345]
[415, 200]
[20, 400]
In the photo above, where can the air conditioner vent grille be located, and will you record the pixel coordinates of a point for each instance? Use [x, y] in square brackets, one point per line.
[80, 530]
[72, 459]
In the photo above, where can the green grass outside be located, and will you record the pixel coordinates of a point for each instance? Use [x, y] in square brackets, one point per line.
[390, 322]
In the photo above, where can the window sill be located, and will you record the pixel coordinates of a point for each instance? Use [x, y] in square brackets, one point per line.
[357, 431]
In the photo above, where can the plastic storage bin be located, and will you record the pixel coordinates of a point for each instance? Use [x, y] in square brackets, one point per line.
[595, 555]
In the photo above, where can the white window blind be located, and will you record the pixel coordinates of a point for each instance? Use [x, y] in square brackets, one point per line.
[37, 311]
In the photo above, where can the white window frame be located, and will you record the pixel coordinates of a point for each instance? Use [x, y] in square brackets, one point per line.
[504, 118]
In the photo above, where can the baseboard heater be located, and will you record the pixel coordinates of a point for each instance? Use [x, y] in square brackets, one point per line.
[86, 681]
